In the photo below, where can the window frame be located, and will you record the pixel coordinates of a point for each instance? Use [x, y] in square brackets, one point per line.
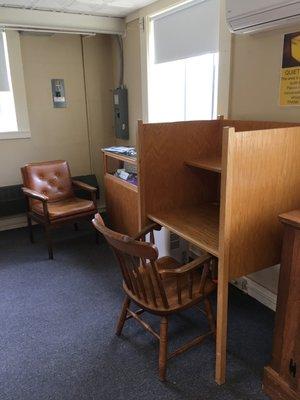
[224, 72]
[185, 65]
[18, 87]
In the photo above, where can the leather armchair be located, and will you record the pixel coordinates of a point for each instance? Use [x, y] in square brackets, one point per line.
[51, 201]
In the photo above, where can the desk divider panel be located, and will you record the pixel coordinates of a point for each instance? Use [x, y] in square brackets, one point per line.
[241, 126]
[265, 182]
[165, 181]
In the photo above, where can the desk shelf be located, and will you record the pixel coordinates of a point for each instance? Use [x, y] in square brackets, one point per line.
[198, 225]
[210, 164]
[122, 182]
[120, 157]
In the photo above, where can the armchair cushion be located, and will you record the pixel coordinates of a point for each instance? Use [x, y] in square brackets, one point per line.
[52, 178]
[65, 208]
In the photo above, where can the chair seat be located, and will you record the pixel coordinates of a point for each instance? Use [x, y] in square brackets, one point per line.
[167, 262]
[66, 208]
[170, 286]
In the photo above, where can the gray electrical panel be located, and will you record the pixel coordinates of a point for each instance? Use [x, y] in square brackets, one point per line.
[121, 113]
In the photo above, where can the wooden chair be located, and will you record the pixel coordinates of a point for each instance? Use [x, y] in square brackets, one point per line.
[48, 189]
[159, 286]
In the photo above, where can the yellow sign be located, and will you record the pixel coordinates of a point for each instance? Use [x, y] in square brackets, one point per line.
[290, 72]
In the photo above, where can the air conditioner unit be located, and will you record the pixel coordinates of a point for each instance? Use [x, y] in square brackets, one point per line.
[249, 16]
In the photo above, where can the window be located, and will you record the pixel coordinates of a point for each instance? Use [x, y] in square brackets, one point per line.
[183, 63]
[184, 90]
[14, 121]
[8, 118]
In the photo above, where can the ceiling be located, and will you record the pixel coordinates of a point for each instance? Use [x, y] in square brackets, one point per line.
[112, 8]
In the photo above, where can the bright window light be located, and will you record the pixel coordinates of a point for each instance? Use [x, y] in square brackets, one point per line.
[182, 90]
[8, 118]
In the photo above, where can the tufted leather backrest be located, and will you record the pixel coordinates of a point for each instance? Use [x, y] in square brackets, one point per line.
[51, 178]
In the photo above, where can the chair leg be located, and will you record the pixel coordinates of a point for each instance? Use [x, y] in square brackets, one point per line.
[163, 348]
[30, 228]
[209, 314]
[123, 315]
[49, 242]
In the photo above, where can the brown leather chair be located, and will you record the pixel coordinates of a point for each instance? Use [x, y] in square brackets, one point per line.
[50, 198]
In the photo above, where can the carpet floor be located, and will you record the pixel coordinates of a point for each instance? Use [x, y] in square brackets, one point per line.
[57, 321]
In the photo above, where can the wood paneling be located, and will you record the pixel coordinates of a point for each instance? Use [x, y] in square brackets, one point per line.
[266, 182]
[122, 205]
[224, 254]
[166, 182]
[209, 163]
[241, 126]
[130, 160]
[198, 225]
[275, 388]
[122, 197]
[282, 378]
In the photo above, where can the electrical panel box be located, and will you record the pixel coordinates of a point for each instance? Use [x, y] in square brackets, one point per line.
[121, 113]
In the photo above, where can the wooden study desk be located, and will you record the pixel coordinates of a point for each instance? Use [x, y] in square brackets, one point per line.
[221, 185]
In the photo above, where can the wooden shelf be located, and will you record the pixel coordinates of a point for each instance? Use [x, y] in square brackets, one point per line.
[198, 225]
[210, 164]
[129, 185]
[131, 160]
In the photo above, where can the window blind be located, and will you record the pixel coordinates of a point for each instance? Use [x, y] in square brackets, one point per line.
[187, 31]
[4, 86]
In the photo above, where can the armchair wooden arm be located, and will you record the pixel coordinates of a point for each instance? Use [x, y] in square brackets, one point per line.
[84, 186]
[34, 195]
[29, 193]
[88, 188]
[147, 229]
[186, 271]
[187, 268]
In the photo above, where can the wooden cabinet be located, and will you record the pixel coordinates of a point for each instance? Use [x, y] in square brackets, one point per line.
[282, 377]
[122, 201]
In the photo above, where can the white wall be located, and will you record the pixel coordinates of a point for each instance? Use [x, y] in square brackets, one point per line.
[255, 74]
[255, 78]
[63, 133]
[132, 76]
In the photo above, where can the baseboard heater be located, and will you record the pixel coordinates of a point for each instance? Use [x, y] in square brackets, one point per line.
[12, 200]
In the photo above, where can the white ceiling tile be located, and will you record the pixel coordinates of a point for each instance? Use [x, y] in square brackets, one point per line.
[17, 3]
[54, 5]
[114, 8]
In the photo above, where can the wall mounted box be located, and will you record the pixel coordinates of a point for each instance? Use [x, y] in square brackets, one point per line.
[121, 113]
[58, 93]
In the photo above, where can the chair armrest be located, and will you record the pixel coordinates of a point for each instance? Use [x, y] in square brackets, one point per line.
[146, 230]
[187, 268]
[29, 193]
[84, 186]
[34, 195]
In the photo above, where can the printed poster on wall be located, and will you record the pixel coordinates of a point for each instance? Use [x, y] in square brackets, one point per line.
[290, 72]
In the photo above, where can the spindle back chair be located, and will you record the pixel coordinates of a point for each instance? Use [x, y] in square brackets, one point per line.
[160, 286]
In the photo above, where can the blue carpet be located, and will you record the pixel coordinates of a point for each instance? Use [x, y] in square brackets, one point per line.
[57, 321]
